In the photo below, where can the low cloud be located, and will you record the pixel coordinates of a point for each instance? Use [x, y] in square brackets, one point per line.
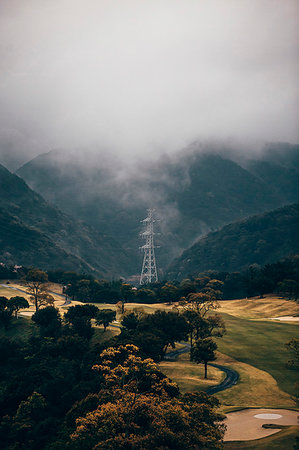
[146, 77]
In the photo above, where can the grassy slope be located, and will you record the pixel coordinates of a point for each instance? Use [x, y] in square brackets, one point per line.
[255, 388]
[20, 329]
[261, 344]
[189, 375]
[260, 308]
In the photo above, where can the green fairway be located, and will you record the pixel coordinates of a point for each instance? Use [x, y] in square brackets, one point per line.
[190, 376]
[283, 440]
[261, 344]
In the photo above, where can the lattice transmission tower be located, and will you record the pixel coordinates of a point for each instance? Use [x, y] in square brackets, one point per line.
[149, 267]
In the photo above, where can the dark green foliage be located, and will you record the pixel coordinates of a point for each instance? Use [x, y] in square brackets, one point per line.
[258, 240]
[79, 317]
[49, 321]
[49, 385]
[16, 303]
[154, 333]
[130, 321]
[203, 351]
[105, 317]
[10, 306]
[289, 289]
[36, 233]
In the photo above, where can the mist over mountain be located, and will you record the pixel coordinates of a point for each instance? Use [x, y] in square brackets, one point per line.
[260, 239]
[121, 89]
[196, 190]
[34, 232]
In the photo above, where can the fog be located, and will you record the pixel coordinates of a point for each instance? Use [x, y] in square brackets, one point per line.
[136, 77]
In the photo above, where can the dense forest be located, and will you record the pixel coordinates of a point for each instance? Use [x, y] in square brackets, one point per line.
[36, 232]
[201, 188]
[258, 240]
[64, 386]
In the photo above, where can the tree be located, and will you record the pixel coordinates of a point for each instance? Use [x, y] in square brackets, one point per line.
[5, 312]
[169, 293]
[79, 317]
[201, 302]
[105, 317]
[127, 293]
[204, 351]
[130, 321]
[26, 425]
[169, 327]
[17, 303]
[140, 408]
[145, 295]
[123, 368]
[197, 310]
[36, 282]
[10, 306]
[289, 288]
[49, 321]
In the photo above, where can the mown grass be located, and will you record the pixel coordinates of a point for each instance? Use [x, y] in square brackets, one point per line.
[260, 308]
[283, 440]
[101, 336]
[190, 376]
[10, 292]
[255, 388]
[261, 344]
[20, 329]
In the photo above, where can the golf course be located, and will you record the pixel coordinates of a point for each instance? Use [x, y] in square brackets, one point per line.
[253, 346]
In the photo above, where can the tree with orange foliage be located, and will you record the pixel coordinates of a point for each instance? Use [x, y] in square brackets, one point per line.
[140, 408]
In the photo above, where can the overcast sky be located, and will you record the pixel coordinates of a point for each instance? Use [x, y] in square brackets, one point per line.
[146, 75]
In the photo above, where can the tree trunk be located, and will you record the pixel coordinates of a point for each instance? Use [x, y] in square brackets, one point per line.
[206, 369]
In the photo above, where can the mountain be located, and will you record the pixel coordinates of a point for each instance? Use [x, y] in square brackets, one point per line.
[193, 192]
[260, 239]
[35, 232]
[29, 247]
[278, 167]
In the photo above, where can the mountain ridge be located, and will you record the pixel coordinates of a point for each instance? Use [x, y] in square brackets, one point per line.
[97, 251]
[193, 192]
[259, 239]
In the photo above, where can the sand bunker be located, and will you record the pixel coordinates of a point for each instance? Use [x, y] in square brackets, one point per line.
[246, 425]
[267, 416]
[286, 318]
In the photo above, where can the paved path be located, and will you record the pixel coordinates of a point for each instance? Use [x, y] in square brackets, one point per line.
[231, 375]
[231, 379]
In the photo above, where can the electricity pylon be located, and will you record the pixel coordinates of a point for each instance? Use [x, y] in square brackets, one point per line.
[149, 268]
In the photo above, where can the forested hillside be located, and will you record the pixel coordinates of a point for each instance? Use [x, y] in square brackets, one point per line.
[260, 239]
[35, 232]
[193, 192]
